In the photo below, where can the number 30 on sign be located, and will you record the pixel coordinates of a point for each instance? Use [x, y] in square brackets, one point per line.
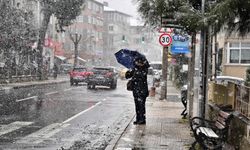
[165, 39]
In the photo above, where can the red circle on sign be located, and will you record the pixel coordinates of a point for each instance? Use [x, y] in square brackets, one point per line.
[165, 42]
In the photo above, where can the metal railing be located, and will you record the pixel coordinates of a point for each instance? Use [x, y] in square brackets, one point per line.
[242, 100]
[234, 94]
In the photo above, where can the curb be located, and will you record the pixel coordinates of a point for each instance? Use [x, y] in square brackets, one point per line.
[8, 88]
[39, 83]
[5, 90]
[116, 139]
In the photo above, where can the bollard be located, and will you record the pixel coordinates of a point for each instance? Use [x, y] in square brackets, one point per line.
[152, 91]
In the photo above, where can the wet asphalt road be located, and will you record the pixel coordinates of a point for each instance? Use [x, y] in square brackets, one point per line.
[61, 116]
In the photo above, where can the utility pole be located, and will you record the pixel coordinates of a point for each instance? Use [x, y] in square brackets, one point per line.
[165, 40]
[191, 75]
[164, 73]
[215, 50]
[203, 92]
[76, 39]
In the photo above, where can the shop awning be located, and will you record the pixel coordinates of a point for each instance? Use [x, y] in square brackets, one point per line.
[60, 57]
[81, 59]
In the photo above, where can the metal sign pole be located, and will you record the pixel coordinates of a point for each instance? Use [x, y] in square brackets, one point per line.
[165, 40]
[164, 73]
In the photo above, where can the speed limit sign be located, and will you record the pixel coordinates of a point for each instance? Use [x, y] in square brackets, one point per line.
[165, 39]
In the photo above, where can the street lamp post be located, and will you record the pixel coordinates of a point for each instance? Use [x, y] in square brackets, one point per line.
[76, 39]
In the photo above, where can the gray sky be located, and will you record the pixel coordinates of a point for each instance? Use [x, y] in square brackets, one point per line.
[126, 6]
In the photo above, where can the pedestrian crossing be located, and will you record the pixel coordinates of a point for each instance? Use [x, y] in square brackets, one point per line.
[34, 137]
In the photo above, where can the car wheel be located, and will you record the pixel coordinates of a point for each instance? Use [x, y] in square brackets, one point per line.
[71, 82]
[76, 83]
[89, 86]
[113, 85]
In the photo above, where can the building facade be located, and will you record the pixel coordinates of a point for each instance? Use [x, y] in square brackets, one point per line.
[145, 40]
[233, 54]
[116, 33]
[89, 24]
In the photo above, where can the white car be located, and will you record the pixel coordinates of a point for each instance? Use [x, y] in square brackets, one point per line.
[157, 74]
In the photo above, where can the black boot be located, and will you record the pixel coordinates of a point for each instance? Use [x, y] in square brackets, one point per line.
[139, 122]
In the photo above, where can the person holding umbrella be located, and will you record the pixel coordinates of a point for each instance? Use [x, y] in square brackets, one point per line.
[138, 77]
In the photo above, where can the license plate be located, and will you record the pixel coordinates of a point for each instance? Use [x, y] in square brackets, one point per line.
[100, 77]
[79, 77]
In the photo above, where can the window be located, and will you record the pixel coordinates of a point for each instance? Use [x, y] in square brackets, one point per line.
[101, 23]
[245, 56]
[239, 52]
[89, 5]
[234, 56]
[89, 19]
[99, 35]
[111, 28]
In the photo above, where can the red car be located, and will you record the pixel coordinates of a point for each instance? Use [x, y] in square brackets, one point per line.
[79, 74]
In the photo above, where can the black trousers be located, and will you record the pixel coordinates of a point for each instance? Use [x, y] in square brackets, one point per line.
[140, 108]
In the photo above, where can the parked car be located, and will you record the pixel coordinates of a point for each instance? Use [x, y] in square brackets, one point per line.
[156, 70]
[79, 74]
[226, 79]
[104, 76]
[157, 74]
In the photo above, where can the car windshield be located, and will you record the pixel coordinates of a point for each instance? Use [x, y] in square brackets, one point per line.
[102, 70]
[80, 69]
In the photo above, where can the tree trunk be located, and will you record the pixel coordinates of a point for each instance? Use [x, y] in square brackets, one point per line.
[42, 33]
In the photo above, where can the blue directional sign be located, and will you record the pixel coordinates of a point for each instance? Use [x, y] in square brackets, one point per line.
[180, 44]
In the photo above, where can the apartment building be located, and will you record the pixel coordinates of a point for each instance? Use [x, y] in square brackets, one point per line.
[233, 54]
[116, 33]
[89, 24]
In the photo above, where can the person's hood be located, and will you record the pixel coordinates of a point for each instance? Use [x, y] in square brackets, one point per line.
[142, 60]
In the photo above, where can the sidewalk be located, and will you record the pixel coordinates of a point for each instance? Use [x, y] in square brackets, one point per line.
[8, 88]
[165, 130]
[51, 80]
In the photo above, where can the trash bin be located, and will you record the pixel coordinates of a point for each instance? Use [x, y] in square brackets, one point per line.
[184, 100]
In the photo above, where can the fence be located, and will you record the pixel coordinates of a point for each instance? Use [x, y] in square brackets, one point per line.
[233, 94]
[17, 73]
[242, 100]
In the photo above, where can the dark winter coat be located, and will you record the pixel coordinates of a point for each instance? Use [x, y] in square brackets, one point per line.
[139, 81]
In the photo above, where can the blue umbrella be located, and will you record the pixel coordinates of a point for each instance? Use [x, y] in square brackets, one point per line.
[127, 57]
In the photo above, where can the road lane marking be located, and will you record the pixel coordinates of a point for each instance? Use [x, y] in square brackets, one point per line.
[68, 89]
[4, 129]
[24, 99]
[72, 88]
[43, 134]
[79, 87]
[75, 116]
[51, 93]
